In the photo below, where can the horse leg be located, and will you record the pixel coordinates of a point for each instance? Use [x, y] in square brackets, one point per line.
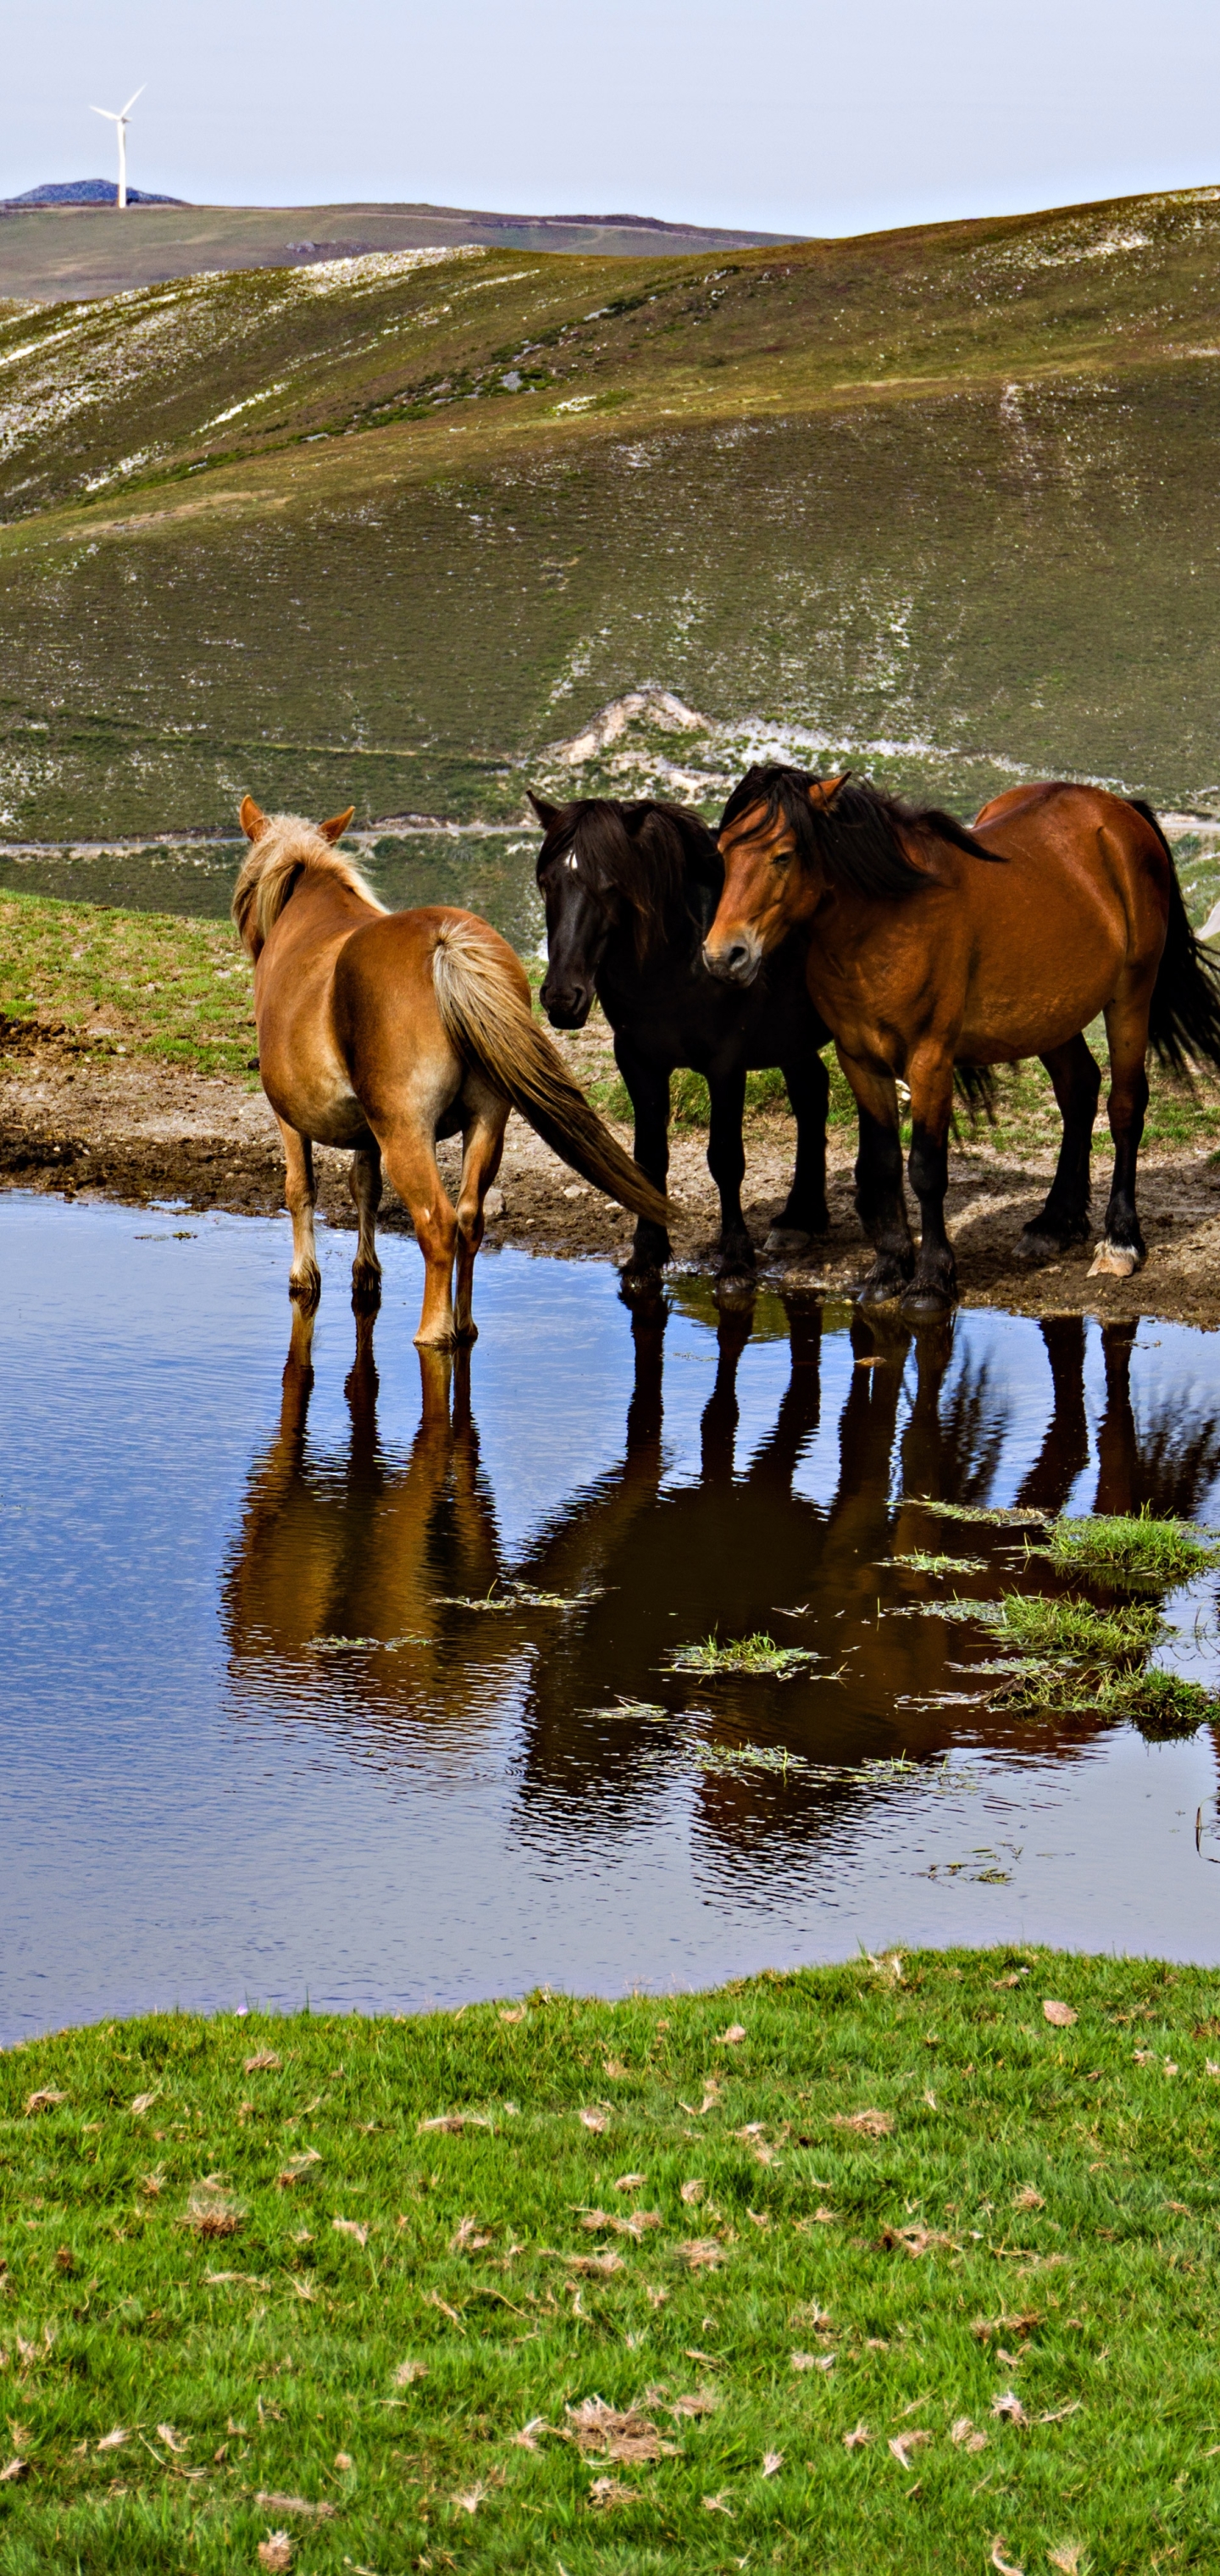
[933, 1287]
[805, 1212]
[648, 1088]
[410, 1160]
[300, 1199]
[364, 1183]
[880, 1204]
[1065, 1217]
[482, 1146]
[726, 1161]
[1122, 1248]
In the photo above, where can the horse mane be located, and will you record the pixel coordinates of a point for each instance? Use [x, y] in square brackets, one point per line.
[649, 853]
[289, 849]
[856, 836]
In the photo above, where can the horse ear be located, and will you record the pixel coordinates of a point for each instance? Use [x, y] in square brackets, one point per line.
[824, 790]
[337, 825]
[252, 819]
[548, 815]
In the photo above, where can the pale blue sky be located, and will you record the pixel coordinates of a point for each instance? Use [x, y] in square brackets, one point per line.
[771, 113]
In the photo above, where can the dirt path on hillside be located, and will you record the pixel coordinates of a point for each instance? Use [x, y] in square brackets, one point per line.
[139, 1130]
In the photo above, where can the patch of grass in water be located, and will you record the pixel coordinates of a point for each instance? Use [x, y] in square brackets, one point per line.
[1015, 1516]
[1130, 1547]
[918, 1561]
[733, 1758]
[756, 1654]
[513, 1596]
[1113, 1639]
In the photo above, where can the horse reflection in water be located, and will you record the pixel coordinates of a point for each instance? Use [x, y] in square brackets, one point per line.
[374, 1548]
[358, 1552]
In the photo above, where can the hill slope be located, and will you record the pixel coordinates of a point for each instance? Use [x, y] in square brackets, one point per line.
[941, 502]
[79, 250]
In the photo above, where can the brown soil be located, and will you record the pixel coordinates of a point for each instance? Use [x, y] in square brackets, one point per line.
[137, 1129]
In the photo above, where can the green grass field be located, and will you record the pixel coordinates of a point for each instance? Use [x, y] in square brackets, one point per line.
[938, 502]
[903, 2264]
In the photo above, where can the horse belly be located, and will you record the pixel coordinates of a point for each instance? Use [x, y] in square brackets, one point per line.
[1039, 981]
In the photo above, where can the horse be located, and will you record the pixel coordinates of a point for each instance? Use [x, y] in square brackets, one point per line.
[629, 892]
[930, 940]
[383, 1031]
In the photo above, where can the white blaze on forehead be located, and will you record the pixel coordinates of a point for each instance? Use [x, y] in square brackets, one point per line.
[572, 861]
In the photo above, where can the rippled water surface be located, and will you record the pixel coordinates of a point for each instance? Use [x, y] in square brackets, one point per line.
[276, 1723]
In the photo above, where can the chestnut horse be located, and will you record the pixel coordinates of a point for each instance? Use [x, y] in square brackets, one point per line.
[382, 1031]
[928, 941]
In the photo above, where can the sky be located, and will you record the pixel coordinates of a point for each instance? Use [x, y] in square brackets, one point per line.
[776, 115]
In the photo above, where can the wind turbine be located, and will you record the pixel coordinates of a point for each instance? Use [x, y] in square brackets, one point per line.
[119, 121]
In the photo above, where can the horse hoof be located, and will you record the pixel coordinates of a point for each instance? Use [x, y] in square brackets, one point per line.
[639, 1283]
[927, 1305]
[735, 1288]
[881, 1288]
[306, 1291]
[1114, 1261]
[787, 1238]
[1032, 1249]
[366, 1291]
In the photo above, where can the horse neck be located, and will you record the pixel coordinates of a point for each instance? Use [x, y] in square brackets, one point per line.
[318, 907]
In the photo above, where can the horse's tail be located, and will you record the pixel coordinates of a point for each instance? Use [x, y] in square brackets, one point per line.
[486, 1015]
[1184, 1020]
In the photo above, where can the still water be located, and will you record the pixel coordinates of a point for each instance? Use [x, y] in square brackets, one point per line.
[255, 1745]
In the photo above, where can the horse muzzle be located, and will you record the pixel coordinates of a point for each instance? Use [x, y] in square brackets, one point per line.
[567, 1006]
[736, 960]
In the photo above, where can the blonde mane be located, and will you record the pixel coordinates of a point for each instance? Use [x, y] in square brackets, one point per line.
[287, 849]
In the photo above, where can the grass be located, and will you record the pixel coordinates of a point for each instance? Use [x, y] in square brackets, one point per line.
[871, 2266]
[1130, 1548]
[918, 1560]
[756, 1654]
[133, 983]
[1082, 1658]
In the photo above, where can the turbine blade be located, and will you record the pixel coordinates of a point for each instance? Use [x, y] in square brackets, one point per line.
[104, 111]
[136, 93]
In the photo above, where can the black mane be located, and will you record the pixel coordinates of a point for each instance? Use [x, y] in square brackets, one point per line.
[652, 855]
[856, 836]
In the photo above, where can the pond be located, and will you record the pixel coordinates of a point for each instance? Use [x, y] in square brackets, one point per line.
[362, 1686]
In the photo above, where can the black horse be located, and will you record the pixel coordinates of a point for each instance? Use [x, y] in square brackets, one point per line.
[630, 891]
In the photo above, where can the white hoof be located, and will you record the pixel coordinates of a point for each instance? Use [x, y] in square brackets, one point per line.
[787, 1238]
[1114, 1261]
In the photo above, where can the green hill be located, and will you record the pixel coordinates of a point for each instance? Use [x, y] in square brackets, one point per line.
[397, 530]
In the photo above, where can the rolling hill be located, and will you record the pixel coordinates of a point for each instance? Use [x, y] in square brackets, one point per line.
[417, 527]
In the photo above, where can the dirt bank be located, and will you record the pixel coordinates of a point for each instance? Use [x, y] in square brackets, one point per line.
[139, 1130]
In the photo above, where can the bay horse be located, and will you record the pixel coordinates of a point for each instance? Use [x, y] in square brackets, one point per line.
[629, 891]
[383, 1031]
[928, 940]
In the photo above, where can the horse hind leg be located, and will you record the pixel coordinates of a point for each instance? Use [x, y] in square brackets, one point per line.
[482, 1146]
[1122, 1248]
[364, 1183]
[408, 1154]
[1064, 1219]
[300, 1199]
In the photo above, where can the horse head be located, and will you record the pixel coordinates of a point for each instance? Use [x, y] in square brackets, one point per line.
[771, 875]
[643, 870]
[580, 913]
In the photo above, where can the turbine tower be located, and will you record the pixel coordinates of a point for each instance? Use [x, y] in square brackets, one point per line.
[118, 118]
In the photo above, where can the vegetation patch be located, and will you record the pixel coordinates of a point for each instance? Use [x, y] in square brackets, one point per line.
[907, 2263]
[113, 983]
[756, 1654]
[1130, 1547]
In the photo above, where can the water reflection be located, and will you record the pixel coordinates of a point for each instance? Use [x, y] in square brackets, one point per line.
[382, 1550]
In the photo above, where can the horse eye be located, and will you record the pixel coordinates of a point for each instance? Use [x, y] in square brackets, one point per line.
[571, 861]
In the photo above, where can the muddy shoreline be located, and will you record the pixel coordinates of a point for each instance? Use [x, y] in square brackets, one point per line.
[140, 1130]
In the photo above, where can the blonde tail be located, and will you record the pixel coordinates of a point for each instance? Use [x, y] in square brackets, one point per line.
[487, 1017]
